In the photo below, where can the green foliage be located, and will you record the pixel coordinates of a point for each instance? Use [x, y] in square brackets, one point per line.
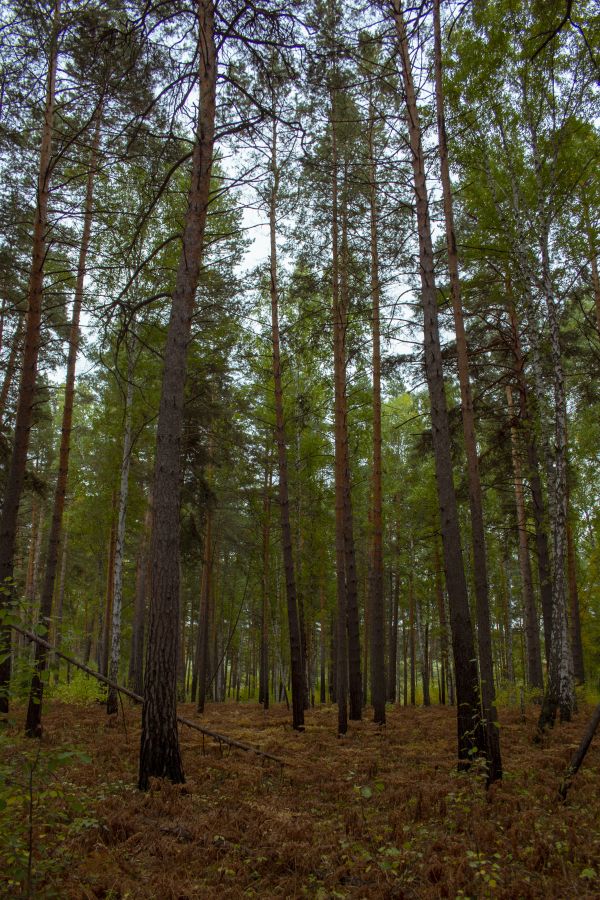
[81, 689]
[35, 811]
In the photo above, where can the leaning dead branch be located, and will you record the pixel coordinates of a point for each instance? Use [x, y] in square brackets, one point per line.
[220, 738]
[579, 754]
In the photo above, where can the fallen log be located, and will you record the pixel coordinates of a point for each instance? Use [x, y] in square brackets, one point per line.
[220, 738]
[579, 754]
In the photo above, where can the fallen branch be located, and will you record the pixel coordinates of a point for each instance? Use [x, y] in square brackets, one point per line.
[579, 754]
[221, 738]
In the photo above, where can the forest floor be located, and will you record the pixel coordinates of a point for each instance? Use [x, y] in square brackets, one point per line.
[378, 813]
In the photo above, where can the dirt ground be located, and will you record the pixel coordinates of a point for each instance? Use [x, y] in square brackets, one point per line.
[378, 813]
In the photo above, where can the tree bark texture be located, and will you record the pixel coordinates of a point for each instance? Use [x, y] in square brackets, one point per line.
[376, 574]
[472, 733]
[482, 599]
[296, 656]
[532, 633]
[112, 703]
[27, 386]
[159, 748]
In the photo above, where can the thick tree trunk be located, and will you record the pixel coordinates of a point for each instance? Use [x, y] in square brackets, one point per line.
[296, 654]
[27, 387]
[532, 634]
[482, 600]
[376, 575]
[112, 704]
[472, 733]
[159, 748]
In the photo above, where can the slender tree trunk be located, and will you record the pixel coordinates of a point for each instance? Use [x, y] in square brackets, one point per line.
[27, 387]
[482, 605]
[412, 639]
[202, 639]
[533, 476]
[376, 579]
[11, 364]
[60, 606]
[393, 658]
[472, 734]
[574, 617]
[136, 667]
[532, 633]
[323, 644]
[104, 650]
[439, 592]
[159, 748]
[341, 680]
[263, 692]
[355, 679]
[298, 681]
[112, 704]
[33, 725]
[560, 694]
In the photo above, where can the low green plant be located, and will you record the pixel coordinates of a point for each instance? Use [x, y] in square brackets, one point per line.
[35, 809]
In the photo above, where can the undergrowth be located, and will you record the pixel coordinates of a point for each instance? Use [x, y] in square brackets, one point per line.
[378, 813]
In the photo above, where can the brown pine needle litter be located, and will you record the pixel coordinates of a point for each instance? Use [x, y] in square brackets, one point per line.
[376, 813]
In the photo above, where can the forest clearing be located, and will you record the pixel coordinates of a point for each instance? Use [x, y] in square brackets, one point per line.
[378, 813]
[299, 448]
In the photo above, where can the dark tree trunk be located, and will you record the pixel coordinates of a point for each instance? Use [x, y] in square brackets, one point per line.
[11, 365]
[136, 663]
[159, 748]
[354, 673]
[530, 617]
[296, 653]
[393, 657]
[263, 690]
[27, 387]
[341, 434]
[204, 617]
[376, 579]
[535, 482]
[472, 733]
[482, 605]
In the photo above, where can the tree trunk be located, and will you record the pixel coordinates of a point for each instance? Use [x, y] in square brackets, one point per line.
[296, 657]
[530, 617]
[112, 704]
[355, 679]
[27, 387]
[341, 680]
[104, 649]
[376, 579]
[560, 694]
[136, 663]
[202, 640]
[159, 747]
[11, 364]
[535, 482]
[472, 734]
[393, 657]
[33, 725]
[263, 691]
[482, 604]
[574, 617]
[439, 592]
